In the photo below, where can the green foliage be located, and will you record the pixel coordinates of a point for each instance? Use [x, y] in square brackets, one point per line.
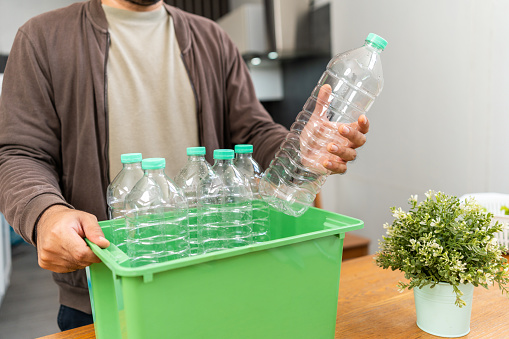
[505, 209]
[443, 239]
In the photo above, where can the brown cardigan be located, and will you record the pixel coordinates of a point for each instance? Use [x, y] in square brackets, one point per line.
[54, 117]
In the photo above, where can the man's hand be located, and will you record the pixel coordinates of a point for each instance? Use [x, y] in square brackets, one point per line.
[355, 134]
[332, 156]
[60, 244]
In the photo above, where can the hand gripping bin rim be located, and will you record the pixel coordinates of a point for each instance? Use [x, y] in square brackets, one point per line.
[283, 288]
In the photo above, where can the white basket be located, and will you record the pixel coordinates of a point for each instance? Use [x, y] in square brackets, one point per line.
[493, 203]
[502, 237]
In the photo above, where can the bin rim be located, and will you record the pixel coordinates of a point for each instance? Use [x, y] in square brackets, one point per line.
[335, 224]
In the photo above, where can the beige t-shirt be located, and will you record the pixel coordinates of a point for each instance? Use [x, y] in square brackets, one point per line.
[151, 105]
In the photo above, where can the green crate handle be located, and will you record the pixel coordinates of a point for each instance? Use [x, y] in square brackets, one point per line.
[111, 252]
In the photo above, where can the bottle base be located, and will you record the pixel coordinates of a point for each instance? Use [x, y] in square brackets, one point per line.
[292, 209]
[291, 201]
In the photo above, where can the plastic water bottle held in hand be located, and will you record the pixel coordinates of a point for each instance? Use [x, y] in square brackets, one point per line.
[117, 191]
[197, 170]
[346, 90]
[224, 207]
[157, 224]
[249, 167]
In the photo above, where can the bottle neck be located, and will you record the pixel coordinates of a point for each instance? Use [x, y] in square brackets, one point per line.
[223, 162]
[195, 158]
[132, 166]
[373, 46]
[154, 172]
[242, 156]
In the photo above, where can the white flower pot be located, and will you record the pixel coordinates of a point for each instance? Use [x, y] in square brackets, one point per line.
[438, 315]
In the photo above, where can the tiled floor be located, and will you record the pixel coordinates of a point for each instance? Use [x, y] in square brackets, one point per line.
[30, 306]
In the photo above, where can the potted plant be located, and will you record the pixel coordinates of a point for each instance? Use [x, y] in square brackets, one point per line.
[447, 247]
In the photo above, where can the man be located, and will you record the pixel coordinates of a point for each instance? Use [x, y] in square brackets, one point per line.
[88, 82]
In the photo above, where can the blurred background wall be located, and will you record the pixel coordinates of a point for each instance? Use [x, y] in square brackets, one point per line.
[442, 120]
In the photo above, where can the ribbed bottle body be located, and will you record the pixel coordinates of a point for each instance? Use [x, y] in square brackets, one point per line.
[157, 220]
[116, 193]
[197, 171]
[253, 173]
[225, 209]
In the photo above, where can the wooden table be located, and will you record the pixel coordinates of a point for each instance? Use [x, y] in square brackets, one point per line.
[370, 306]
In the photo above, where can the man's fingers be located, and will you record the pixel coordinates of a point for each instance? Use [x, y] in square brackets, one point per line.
[363, 123]
[335, 166]
[93, 231]
[60, 244]
[79, 252]
[323, 99]
[70, 255]
[345, 153]
[357, 138]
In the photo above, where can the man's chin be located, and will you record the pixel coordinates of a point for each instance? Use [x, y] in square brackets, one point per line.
[144, 2]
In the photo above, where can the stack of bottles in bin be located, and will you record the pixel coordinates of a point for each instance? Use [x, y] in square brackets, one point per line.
[204, 209]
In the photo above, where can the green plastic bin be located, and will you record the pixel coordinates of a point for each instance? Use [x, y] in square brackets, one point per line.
[284, 288]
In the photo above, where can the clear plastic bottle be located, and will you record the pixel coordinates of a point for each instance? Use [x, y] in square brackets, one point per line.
[196, 170]
[116, 192]
[157, 224]
[347, 89]
[249, 167]
[224, 207]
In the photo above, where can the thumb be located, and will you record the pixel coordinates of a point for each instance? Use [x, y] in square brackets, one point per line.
[363, 123]
[323, 100]
[94, 233]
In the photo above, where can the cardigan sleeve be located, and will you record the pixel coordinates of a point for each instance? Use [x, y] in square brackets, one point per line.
[249, 121]
[29, 138]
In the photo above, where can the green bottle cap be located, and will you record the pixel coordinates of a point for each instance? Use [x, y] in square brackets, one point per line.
[224, 154]
[244, 148]
[376, 40]
[196, 151]
[153, 163]
[129, 158]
